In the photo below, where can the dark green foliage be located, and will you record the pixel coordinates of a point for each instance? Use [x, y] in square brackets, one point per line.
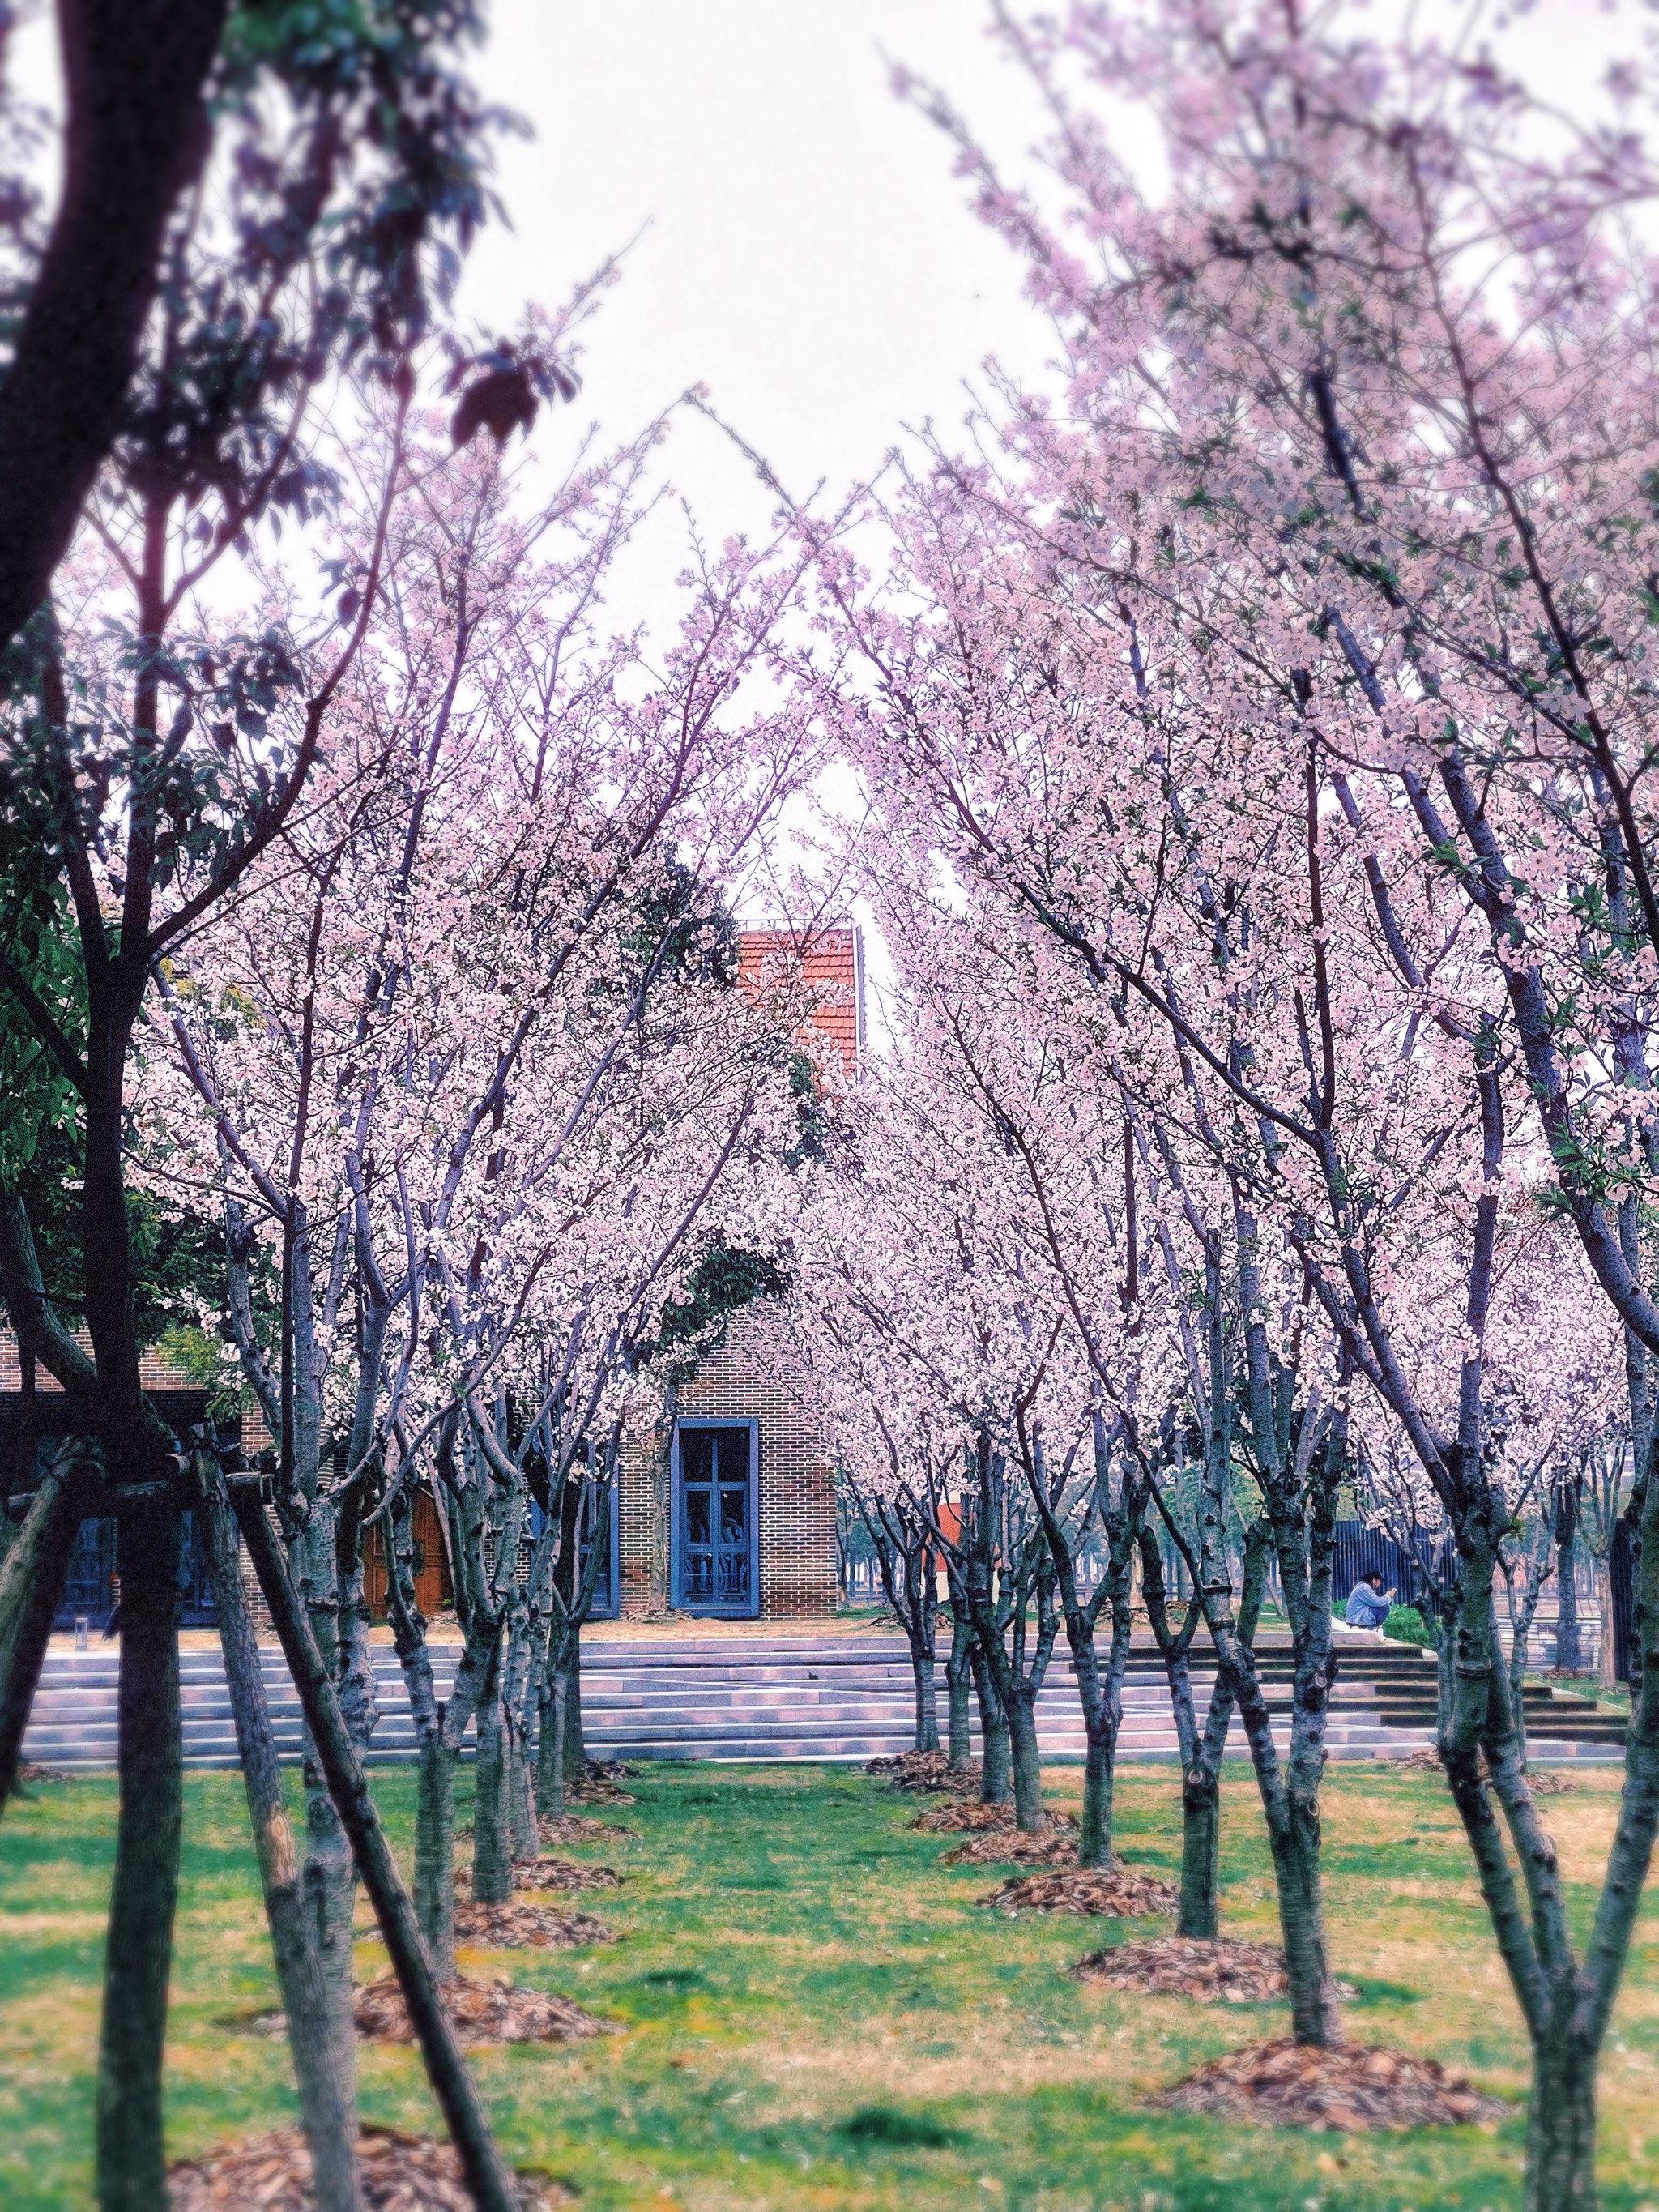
[885, 2124]
[1405, 1624]
[726, 1278]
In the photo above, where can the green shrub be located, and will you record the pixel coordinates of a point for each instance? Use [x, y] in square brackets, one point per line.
[1406, 1626]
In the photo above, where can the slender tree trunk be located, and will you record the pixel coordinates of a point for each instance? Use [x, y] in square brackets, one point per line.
[492, 1827]
[131, 2157]
[1569, 1649]
[575, 1743]
[31, 1588]
[959, 1679]
[328, 1875]
[434, 1852]
[1101, 1716]
[921, 1670]
[551, 1767]
[1561, 2171]
[1607, 1644]
[325, 2104]
[486, 2174]
[1029, 1814]
[996, 1781]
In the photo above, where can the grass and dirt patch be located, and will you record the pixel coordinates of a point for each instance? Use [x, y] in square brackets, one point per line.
[810, 2013]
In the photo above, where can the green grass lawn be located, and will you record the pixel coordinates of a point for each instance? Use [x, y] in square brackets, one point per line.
[816, 2015]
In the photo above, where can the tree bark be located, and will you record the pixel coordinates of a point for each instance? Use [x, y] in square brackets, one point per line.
[1560, 2170]
[136, 132]
[327, 1876]
[31, 1588]
[959, 1680]
[492, 1826]
[486, 2174]
[575, 1741]
[926, 1729]
[130, 2151]
[996, 1773]
[326, 2105]
[1030, 1816]
[551, 1763]
[434, 1852]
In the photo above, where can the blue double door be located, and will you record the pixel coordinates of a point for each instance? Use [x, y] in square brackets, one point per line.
[716, 1559]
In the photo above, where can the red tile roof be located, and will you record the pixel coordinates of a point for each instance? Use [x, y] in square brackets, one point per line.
[830, 963]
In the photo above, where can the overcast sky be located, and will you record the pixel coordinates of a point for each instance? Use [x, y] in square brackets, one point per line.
[802, 247]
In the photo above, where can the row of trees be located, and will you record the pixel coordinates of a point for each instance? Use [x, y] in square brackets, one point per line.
[1256, 729]
[372, 1014]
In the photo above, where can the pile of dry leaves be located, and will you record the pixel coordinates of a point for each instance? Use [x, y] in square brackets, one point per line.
[482, 2012]
[1122, 1892]
[1202, 1966]
[547, 1874]
[579, 1828]
[1355, 2086]
[1543, 1781]
[599, 1782]
[972, 1819]
[519, 1926]
[1050, 1846]
[399, 2173]
[926, 1770]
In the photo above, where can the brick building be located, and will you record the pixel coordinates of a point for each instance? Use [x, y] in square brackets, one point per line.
[728, 1510]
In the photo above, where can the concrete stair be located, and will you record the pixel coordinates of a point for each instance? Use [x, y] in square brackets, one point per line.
[836, 1697]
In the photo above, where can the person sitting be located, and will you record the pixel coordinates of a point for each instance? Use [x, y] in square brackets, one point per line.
[1368, 1602]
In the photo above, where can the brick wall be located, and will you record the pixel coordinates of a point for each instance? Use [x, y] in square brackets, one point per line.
[749, 1376]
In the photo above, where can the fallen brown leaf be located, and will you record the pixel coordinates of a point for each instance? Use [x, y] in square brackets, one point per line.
[1120, 1891]
[1206, 1967]
[926, 1770]
[398, 2174]
[519, 1926]
[1355, 2086]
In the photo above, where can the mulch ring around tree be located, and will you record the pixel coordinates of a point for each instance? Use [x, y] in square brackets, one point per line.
[972, 1818]
[579, 1828]
[926, 1770]
[1543, 1781]
[1053, 1845]
[1119, 1891]
[1356, 2086]
[520, 1925]
[1213, 1969]
[599, 1782]
[482, 2012]
[546, 1873]
[398, 2172]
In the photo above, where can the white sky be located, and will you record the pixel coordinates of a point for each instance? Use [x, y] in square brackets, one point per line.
[805, 252]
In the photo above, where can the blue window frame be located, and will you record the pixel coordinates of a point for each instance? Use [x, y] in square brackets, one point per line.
[607, 1586]
[716, 1518]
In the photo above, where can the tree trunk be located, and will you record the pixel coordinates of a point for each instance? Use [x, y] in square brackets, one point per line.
[434, 1852]
[1200, 1851]
[492, 1835]
[1569, 1651]
[325, 2104]
[328, 1876]
[1607, 1644]
[921, 1668]
[996, 1782]
[575, 1743]
[1021, 1729]
[959, 1677]
[486, 2175]
[1314, 2015]
[551, 1765]
[1094, 1842]
[131, 2159]
[1560, 2173]
[31, 1586]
